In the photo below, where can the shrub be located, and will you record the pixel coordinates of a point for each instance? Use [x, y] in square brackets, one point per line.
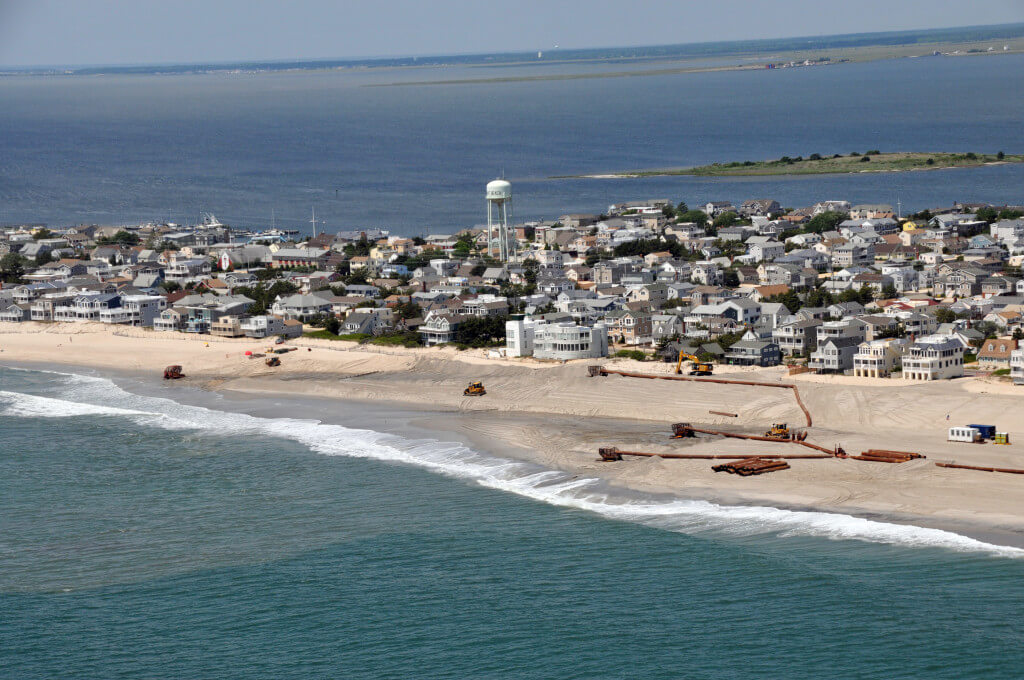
[634, 354]
[865, 159]
[1001, 371]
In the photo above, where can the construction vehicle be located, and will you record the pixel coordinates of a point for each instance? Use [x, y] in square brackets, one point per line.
[697, 367]
[778, 431]
[273, 361]
[173, 373]
[475, 389]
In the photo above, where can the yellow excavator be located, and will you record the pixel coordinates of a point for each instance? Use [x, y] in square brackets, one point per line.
[697, 367]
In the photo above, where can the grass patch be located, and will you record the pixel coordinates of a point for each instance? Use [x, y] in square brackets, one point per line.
[635, 354]
[327, 335]
[873, 161]
[397, 340]
[1001, 372]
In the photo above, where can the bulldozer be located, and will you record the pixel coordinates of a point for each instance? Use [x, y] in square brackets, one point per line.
[697, 367]
[778, 431]
[475, 389]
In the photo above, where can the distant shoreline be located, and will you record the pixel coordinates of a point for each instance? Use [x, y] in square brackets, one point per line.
[837, 164]
[989, 39]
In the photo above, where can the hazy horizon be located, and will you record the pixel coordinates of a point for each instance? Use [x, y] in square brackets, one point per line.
[50, 33]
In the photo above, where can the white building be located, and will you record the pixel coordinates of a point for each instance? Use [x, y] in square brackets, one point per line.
[878, 358]
[1017, 366]
[561, 341]
[135, 310]
[934, 358]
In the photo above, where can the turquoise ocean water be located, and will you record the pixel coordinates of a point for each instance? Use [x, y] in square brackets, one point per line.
[143, 538]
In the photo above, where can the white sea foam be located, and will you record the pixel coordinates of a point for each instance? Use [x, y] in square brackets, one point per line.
[99, 396]
[32, 406]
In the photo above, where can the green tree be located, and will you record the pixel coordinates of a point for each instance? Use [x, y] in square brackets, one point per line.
[889, 292]
[826, 221]
[12, 268]
[464, 245]
[944, 315]
[122, 238]
[42, 233]
[726, 219]
[987, 214]
[699, 217]
[332, 325]
[44, 257]
[481, 331]
[819, 298]
[790, 298]
[408, 310]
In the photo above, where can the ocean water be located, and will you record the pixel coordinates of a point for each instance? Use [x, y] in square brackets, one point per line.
[142, 538]
[415, 158]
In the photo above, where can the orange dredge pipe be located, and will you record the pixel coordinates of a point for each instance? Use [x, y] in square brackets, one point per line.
[1009, 471]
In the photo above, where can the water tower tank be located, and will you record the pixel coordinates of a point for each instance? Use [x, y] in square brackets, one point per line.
[499, 190]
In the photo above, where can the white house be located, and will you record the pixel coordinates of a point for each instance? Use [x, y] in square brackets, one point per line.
[934, 358]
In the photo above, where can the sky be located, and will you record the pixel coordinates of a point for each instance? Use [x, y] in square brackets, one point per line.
[109, 32]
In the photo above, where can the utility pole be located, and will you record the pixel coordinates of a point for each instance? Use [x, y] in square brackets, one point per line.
[314, 222]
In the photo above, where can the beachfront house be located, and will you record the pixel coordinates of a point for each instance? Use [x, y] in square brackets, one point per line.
[934, 358]
[301, 307]
[135, 310]
[440, 328]
[878, 358]
[754, 353]
[561, 341]
[834, 355]
[86, 307]
[995, 353]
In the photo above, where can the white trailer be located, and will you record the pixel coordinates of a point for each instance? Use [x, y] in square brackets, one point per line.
[964, 434]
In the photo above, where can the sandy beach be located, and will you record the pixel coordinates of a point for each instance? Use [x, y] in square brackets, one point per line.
[555, 415]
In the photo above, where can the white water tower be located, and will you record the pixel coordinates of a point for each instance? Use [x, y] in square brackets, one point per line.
[499, 215]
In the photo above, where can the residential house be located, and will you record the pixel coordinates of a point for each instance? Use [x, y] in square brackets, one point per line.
[934, 358]
[878, 358]
[995, 353]
[561, 341]
[630, 327]
[438, 329]
[834, 354]
[797, 337]
[754, 353]
[301, 307]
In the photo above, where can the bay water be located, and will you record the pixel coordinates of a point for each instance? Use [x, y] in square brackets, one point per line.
[142, 537]
[414, 158]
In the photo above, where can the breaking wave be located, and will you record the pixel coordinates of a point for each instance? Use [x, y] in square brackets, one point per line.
[91, 396]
